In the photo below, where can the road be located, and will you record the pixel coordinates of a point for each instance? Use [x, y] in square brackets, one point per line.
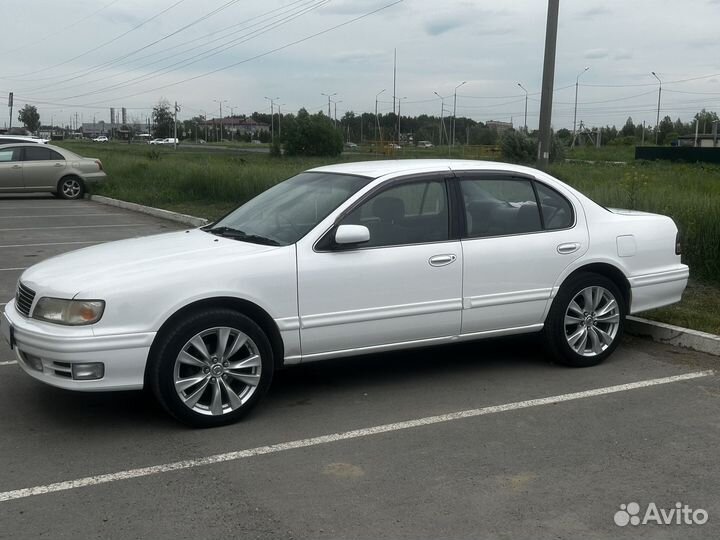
[445, 442]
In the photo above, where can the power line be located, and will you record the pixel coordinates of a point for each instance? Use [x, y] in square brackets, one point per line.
[203, 55]
[26, 46]
[104, 44]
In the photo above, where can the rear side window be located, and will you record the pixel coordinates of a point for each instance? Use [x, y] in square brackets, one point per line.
[55, 156]
[498, 207]
[557, 211]
[9, 154]
[37, 153]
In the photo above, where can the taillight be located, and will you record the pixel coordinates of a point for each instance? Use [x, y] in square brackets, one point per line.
[678, 245]
[99, 164]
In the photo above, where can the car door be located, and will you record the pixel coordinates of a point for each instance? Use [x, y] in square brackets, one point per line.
[403, 285]
[11, 177]
[42, 167]
[514, 250]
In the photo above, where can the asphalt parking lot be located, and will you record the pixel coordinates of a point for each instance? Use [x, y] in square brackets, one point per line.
[446, 442]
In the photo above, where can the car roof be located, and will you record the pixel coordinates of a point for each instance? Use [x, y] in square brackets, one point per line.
[376, 169]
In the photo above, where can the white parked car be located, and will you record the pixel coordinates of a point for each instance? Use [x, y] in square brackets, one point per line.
[101, 138]
[338, 261]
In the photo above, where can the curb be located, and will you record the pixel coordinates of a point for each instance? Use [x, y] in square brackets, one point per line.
[674, 335]
[156, 212]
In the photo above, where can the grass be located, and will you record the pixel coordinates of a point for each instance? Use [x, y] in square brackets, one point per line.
[604, 153]
[209, 184]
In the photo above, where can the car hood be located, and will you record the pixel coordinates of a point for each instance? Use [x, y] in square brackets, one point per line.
[106, 266]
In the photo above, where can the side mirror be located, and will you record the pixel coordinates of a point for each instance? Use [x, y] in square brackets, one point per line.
[351, 234]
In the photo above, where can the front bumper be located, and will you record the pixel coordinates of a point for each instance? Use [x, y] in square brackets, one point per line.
[58, 347]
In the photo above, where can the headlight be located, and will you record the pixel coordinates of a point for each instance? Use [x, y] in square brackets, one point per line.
[70, 312]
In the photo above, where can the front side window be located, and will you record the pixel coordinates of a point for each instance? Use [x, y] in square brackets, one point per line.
[286, 212]
[498, 207]
[408, 213]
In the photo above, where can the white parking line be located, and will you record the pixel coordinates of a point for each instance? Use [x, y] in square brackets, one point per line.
[10, 269]
[75, 227]
[50, 244]
[59, 215]
[10, 363]
[335, 437]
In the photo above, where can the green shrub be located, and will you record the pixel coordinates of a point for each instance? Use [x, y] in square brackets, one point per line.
[312, 135]
[517, 147]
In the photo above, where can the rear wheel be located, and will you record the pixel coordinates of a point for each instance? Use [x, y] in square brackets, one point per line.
[71, 187]
[586, 320]
[212, 368]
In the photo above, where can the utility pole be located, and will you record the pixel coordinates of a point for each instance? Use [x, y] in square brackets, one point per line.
[577, 83]
[454, 111]
[657, 122]
[526, 101]
[336, 102]
[272, 117]
[10, 104]
[394, 76]
[398, 114]
[175, 141]
[377, 121]
[547, 84]
[221, 101]
[442, 112]
[280, 119]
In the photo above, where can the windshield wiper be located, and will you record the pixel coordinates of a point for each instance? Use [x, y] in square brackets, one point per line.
[236, 234]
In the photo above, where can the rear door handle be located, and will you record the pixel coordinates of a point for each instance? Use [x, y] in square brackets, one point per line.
[565, 249]
[17, 166]
[58, 165]
[442, 260]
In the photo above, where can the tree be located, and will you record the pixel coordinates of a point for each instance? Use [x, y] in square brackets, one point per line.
[30, 117]
[628, 129]
[163, 120]
[664, 129]
[312, 135]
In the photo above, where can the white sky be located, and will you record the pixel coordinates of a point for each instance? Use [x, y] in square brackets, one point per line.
[49, 59]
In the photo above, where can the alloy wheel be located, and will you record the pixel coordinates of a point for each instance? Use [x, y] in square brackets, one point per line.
[217, 371]
[592, 320]
[71, 188]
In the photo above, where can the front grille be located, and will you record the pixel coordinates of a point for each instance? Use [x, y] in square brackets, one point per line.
[24, 299]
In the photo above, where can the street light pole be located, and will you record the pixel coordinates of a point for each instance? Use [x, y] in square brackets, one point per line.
[272, 117]
[329, 96]
[377, 121]
[399, 102]
[577, 83]
[657, 122]
[221, 101]
[526, 100]
[455, 110]
[442, 112]
[335, 103]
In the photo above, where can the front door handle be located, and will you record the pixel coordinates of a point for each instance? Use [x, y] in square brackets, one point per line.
[566, 249]
[442, 260]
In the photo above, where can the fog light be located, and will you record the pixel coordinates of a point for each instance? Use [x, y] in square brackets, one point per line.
[33, 362]
[88, 372]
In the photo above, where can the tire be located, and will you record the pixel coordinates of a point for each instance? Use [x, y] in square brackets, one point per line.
[71, 188]
[213, 388]
[586, 320]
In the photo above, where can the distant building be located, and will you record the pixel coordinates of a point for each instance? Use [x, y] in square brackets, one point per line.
[109, 129]
[498, 126]
[237, 125]
[704, 140]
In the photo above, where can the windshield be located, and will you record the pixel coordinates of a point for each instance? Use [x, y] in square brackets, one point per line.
[286, 212]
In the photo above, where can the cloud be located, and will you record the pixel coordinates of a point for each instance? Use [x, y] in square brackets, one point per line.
[443, 24]
[622, 54]
[596, 54]
[352, 7]
[359, 57]
[593, 12]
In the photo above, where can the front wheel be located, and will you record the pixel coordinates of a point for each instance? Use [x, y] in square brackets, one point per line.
[212, 368]
[586, 320]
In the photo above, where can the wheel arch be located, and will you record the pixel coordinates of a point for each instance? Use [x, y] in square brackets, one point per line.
[261, 317]
[613, 273]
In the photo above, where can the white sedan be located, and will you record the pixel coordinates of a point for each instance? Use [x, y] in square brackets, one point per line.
[338, 261]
